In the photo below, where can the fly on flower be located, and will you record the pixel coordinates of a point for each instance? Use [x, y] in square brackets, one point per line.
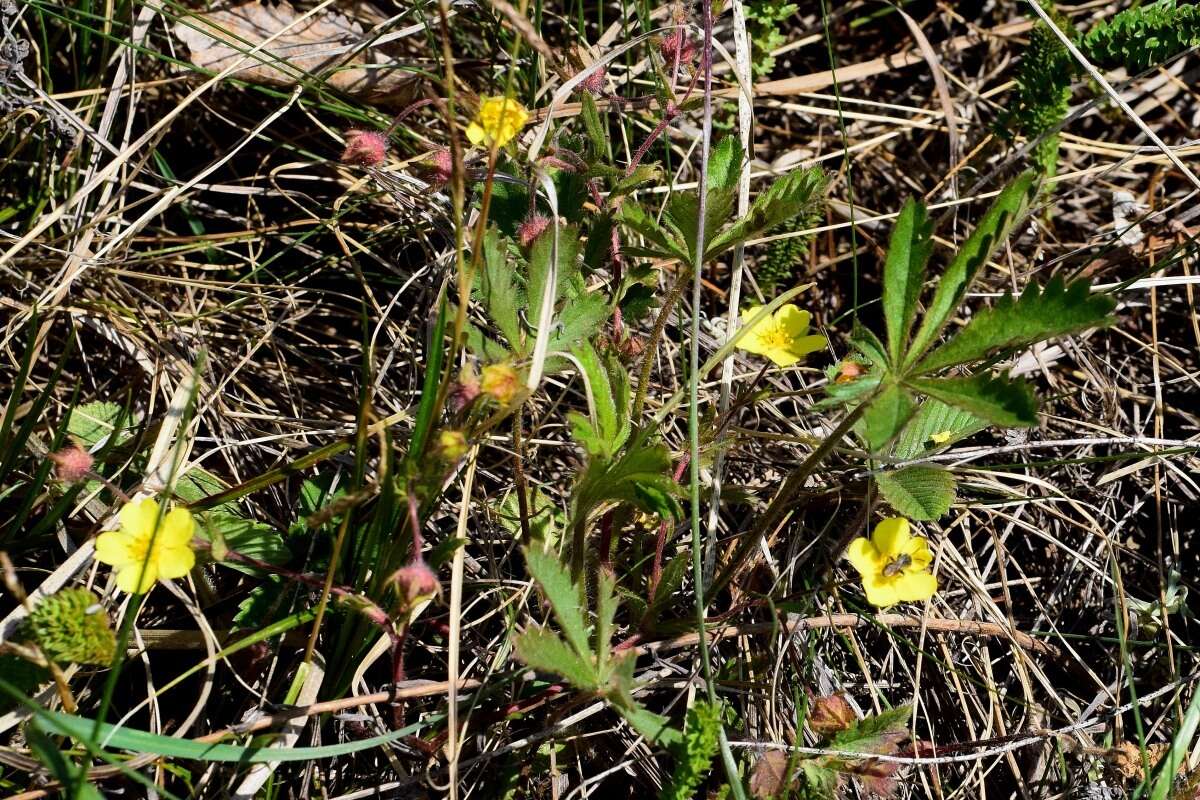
[498, 121]
[143, 550]
[894, 564]
[782, 336]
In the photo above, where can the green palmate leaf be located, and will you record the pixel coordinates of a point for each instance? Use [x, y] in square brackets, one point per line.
[839, 394]
[815, 781]
[566, 599]
[1003, 402]
[1057, 310]
[885, 417]
[919, 492]
[660, 242]
[93, 422]
[543, 650]
[498, 289]
[638, 477]
[245, 536]
[782, 200]
[991, 232]
[694, 755]
[904, 274]
[935, 425]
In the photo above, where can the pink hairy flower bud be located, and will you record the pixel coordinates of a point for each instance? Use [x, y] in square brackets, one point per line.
[532, 228]
[365, 148]
[72, 463]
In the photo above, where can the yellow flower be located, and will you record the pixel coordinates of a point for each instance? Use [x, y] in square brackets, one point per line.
[781, 337]
[499, 120]
[894, 564]
[140, 554]
[942, 438]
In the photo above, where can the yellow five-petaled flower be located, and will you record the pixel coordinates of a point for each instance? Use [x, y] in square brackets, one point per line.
[782, 336]
[142, 550]
[498, 121]
[894, 564]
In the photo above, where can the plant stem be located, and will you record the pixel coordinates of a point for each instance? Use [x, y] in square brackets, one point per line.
[776, 511]
[660, 324]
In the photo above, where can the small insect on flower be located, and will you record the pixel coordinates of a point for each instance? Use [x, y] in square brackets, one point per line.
[365, 148]
[893, 564]
[782, 337]
[143, 550]
[498, 121]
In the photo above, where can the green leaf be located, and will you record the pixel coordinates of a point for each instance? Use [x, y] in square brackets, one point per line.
[260, 605]
[125, 738]
[885, 417]
[69, 774]
[580, 319]
[918, 492]
[498, 289]
[639, 477]
[566, 599]
[872, 734]
[92, 422]
[864, 340]
[904, 274]
[245, 536]
[725, 165]
[546, 520]
[661, 242]
[694, 755]
[991, 232]
[606, 612]
[539, 268]
[1057, 310]
[592, 123]
[545, 651]
[1003, 402]
[785, 198]
[935, 418]
[641, 175]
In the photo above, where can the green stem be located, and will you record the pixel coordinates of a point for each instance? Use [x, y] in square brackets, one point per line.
[660, 324]
[779, 505]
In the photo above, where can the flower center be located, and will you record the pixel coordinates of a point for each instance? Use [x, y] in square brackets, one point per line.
[776, 336]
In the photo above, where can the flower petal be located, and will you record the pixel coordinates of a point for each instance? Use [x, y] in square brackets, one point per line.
[916, 587]
[881, 592]
[175, 562]
[138, 518]
[782, 356]
[807, 344]
[133, 579]
[476, 134]
[793, 321]
[863, 556]
[177, 528]
[918, 550]
[113, 548]
[891, 537]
